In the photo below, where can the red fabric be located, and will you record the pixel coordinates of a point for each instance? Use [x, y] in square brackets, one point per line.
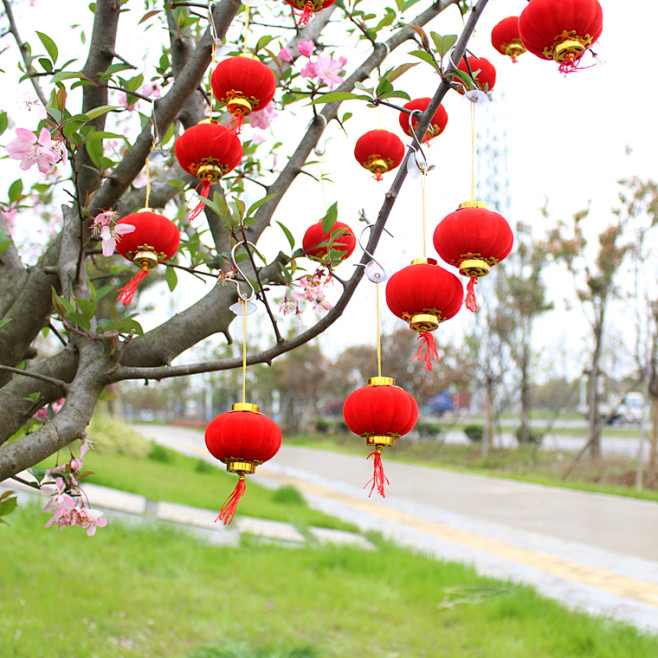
[543, 22]
[506, 33]
[207, 141]
[437, 124]
[315, 241]
[470, 301]
[486, 78]
[380, 410]
[308, 8]
[378, 479]
[424, 288]
[473, 231]
[230, 505]
[245, 435]
[127, 292]
[380, 143]
[429, 346]
[248, 76]
[151, 229]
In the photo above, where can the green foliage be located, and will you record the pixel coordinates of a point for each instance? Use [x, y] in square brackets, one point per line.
[474, 432]
[159, 453]
[322, 425]
[8, 503]
[288, 495]
[110, 435]
[246, 650]
[428, 428]
[533, 435]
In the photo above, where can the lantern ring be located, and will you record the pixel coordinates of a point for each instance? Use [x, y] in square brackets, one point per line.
[246, 297]
[489, 260]
[160, 255]
[583, 43]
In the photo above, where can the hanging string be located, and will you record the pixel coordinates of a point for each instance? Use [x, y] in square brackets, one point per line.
[148, 182]
[246, 26]
[379, 335]
[423, 175]
[243, 303]
[473, 152]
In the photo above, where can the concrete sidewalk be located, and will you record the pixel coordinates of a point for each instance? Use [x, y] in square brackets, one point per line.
[591, 552]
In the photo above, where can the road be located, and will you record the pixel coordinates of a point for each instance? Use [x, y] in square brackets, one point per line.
[590, 551]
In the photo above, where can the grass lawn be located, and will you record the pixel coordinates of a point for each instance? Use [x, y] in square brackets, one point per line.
[152, 591]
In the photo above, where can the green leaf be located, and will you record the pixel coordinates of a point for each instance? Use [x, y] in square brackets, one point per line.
[123, 326]
[263, 41]
[336, 96]
[8, 503]
[255, 206]
[395, 73]
[100, 110]
[288, 234]
[421, 54]
[443, 44]
[68, 75]
[330, 218]
[149, 14]
[171, 278]
[4, 121]
[15, 190]
[63, 306]
[87, 307]
[95, 150]
[49, 45]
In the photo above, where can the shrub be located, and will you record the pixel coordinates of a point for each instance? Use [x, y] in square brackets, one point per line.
[474, 432]
[533, 436]
[202, 466]
[323, 426]
[288, 495]
[428, 428]
[160, 454]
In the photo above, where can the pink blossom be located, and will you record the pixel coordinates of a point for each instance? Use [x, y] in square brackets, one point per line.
[306, 48]
[110, 233]
[328, 70]
[31, 150]
[286, 307]
[261, 119]
[36, 107]
[310, 71]
[312, 290]
[123, 101]
[9, 215]
[284, 55]
[151, 89]
[56, 407]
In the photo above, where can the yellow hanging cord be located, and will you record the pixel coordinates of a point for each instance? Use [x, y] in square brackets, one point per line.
[246, 26]
[423, 175]
[147, 168]
[473, 152]
[379, 337]
[324, 191]
[243, 303]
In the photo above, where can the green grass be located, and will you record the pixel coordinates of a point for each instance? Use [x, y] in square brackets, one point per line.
[152, 591]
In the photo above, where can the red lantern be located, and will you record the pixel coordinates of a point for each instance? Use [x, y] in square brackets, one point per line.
[437, 124]
[208, 151]
[335, 245]
[380, 412]
[244, 84]
[473, 239]
[379, 151]
[479, 69]
[561, 29]
[154, 240]
[506, 39]
[242, 438]
[424, 295]
[308, 8]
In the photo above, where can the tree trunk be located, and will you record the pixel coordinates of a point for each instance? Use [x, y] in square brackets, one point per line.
[488, 438]
[652, 463]
[525, 430]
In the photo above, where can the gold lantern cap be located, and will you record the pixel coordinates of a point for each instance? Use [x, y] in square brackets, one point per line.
[424, 261]
[245, 406]
[473, 204]
[381, 381]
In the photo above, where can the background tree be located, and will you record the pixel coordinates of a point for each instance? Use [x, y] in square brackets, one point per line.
[104, 172]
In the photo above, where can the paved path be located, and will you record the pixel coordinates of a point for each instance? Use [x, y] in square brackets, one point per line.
[590, 551]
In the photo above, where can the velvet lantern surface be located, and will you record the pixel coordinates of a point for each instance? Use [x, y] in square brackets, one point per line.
[208, 151]
[155, 239]
[381, 413]
[308, 8]
[473, 239]
[379, 151]
[244, 84]
[424, 295]
[331, 247]
[242, 438]
[561, 30]
[479, 69]
[506, 39]
[437, 124]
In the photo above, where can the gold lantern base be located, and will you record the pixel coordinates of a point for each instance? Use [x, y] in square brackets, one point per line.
[146, 259]
[211, 172]
[241, 465]
[474, 267]
[238, 105]
[381, 440]
[572, 48]
[424, 322]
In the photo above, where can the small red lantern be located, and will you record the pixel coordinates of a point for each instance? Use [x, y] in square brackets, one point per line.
[437, 124]
[242, 438]
[208, 151]
[424, 295]
[335, 245]
[474, 239]
[380, 412]
[244, 84]
[379, 151]
[479, 69]
[506, 39]
[154, 240]
[561, 29]
[308, 8]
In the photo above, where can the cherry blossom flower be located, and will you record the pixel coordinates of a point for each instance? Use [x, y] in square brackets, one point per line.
[286, 307]
[284, 55]
[56, 406]
[9, 215]
[328, 70]
[310, 71]
[306, 48]
[30, 150]
[312, 290]
[109, 231]
[261, 119]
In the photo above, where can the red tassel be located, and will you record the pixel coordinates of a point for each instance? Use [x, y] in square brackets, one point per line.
[470, 301]
[203, 193]
[236, 122]
[307, 14]
[430, 349]
[128, 291]
[230, 506]
[378, 478]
